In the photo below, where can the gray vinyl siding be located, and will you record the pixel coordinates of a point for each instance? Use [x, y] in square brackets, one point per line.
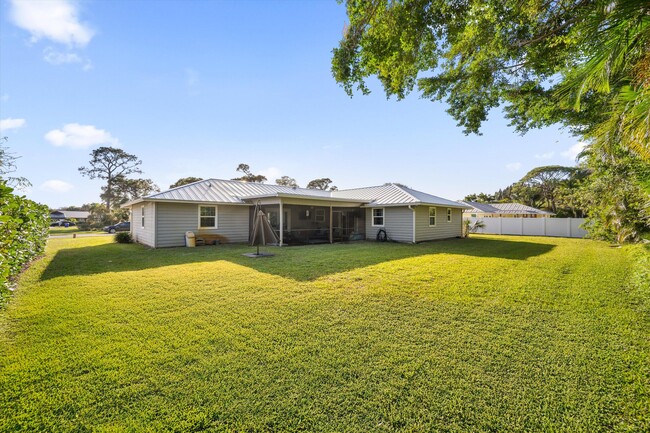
[143, 235]
[174, 219]
[398, 223]
[443, 229]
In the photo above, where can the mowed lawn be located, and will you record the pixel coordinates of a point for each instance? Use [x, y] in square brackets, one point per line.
[488, 334]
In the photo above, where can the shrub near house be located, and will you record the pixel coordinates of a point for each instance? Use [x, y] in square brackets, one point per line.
[23, 231]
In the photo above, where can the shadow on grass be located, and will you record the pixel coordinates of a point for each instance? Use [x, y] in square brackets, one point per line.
[304, 263]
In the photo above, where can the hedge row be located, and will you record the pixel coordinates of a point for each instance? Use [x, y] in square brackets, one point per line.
[23, 234]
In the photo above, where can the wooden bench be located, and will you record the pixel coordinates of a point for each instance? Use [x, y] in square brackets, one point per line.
[210, 239]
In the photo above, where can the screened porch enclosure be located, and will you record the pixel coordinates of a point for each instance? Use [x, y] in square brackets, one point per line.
[316, 224]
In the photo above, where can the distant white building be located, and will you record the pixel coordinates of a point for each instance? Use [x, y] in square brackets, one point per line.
[503, 210]
[77, 215]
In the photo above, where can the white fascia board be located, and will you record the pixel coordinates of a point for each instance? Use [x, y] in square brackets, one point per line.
[206, 203]
[304, 197]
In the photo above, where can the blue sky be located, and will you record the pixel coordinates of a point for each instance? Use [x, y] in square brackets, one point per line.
[195, 87]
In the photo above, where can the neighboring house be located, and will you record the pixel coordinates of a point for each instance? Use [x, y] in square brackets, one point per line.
[224, 209]
[504, 210]
[80, 216]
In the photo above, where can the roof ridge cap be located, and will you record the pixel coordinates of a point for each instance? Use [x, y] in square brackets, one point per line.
[178, 187]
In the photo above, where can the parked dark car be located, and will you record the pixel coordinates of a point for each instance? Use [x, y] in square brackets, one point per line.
[62, 223]
[120, 227]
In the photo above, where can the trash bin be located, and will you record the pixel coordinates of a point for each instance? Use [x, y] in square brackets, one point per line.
[190, 239]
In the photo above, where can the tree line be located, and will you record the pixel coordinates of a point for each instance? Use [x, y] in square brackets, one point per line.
[114, 166]
[323, 183]
[553, 188]
[611, 196]
[610, 192]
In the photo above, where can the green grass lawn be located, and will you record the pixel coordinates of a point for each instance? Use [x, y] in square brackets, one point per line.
[70, 230]
[488, 334]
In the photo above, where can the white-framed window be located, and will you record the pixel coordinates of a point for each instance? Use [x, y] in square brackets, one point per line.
[378, 217]
[432, 217]
[208, 217]
[319, 215]
[142, 215]
[448, 214]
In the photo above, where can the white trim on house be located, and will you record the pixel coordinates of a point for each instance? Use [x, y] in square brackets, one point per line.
[383, 217]
[413, 223]
[142, 216]
[216, 217]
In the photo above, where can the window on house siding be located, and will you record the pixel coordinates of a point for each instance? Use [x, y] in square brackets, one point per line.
[448, 215]
[208, 217]
[432, 217]
[378, 217]
[142, 215]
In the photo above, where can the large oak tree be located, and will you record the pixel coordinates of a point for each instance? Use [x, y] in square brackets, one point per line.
[584, 64]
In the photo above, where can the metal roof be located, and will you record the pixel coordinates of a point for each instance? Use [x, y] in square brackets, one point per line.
[394, 195]
[509, 208]
[230, 191]
[72, 213]
[237, 192]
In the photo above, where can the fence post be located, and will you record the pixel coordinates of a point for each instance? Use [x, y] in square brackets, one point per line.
[500, 225]
[521, 225]
[569, 222]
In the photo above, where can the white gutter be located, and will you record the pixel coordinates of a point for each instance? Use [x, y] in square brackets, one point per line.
[169, 200]
[281, 216]
[413, 209]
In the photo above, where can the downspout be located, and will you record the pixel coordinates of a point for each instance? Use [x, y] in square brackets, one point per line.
[281, 216]
[155, 226]
[413, 209]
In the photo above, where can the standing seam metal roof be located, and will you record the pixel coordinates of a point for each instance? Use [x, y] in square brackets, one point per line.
[236, 192]
[511, 208]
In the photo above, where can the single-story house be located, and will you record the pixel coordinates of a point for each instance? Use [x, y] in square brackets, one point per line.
[502, 210]
[80, 216]
[224, 209]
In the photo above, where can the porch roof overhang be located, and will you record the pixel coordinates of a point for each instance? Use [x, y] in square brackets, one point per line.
[415, 203]
[306, 197]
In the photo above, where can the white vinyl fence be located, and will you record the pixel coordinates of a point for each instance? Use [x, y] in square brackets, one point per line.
[558, 227]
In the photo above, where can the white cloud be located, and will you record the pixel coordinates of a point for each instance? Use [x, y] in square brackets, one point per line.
[55, 57]
[271, 173]
[572, 152]
[9, 123]
[55, 185]
[57, 20]
[513, 166]
[547, 155]
[78, 136]
[50, 55]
